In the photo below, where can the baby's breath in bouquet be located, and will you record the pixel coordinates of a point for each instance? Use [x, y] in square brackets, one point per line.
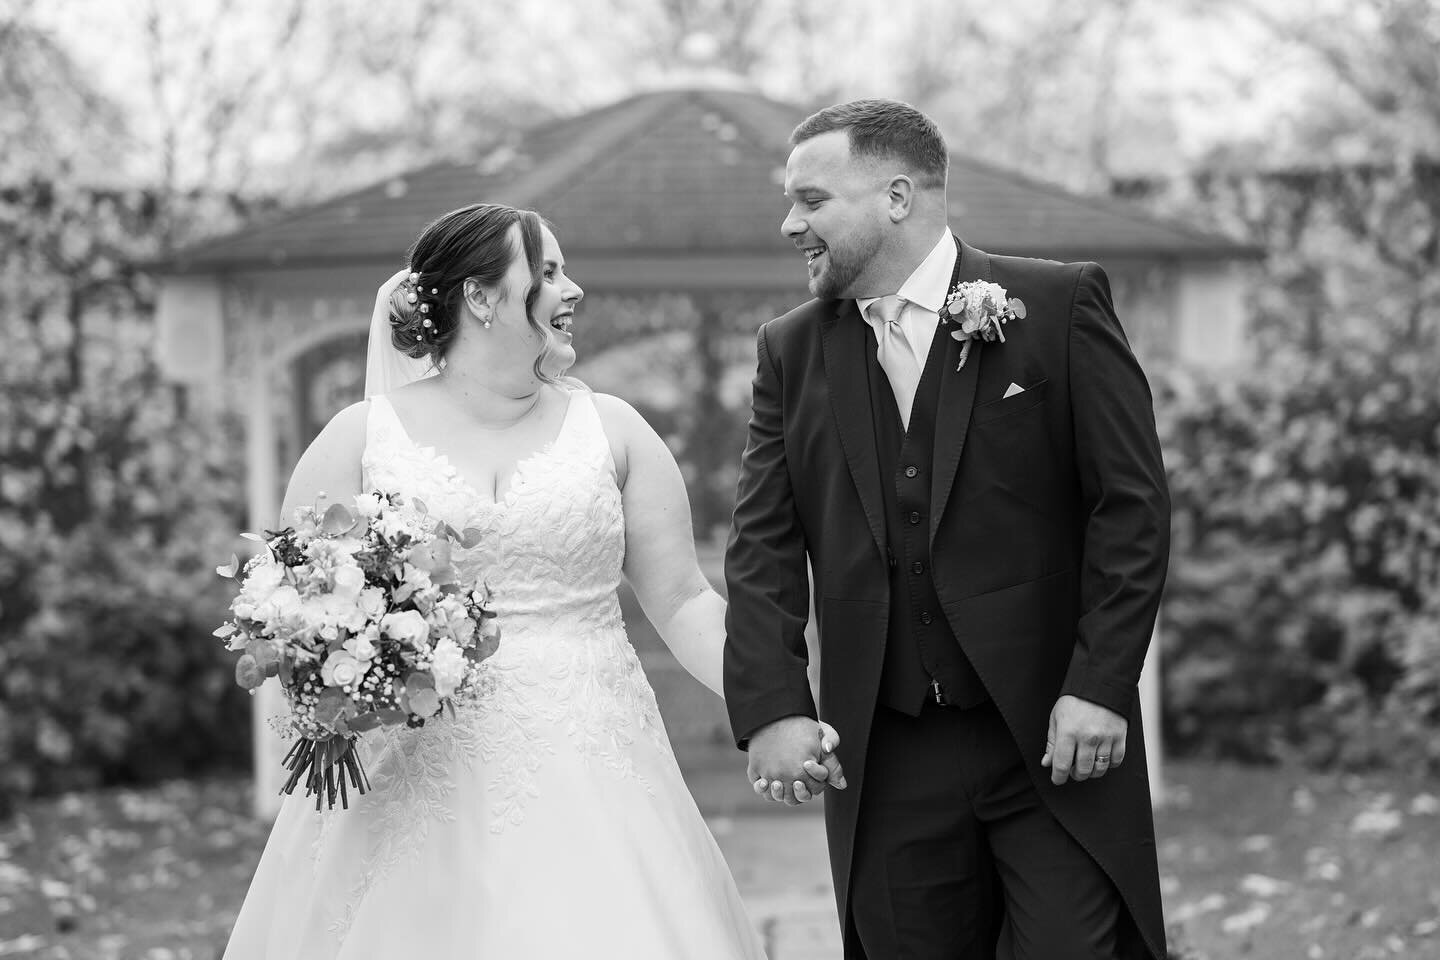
[359, 612]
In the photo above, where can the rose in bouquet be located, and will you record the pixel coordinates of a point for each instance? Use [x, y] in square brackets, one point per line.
[359, 612]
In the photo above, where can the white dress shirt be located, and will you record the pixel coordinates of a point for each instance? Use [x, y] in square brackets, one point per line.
[922, 295]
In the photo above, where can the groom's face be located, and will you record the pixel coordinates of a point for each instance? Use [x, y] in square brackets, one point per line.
[838, 212]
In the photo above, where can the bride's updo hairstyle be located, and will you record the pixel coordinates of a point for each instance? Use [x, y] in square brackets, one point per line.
[472, 243]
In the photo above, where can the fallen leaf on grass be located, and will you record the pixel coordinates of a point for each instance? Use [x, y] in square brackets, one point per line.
[54, 889]
[13, 877]
[1257, 844]
[1247, 920]
[73, 805]
[147, 808]
[1378, 822]
[28, 943]
[111, 945]
[1195, 908]
[1259, 885]
[1302, 801]
[1425, 805]
[1368, 918]
[1321, 864]
[1177, 796]
[107, 839]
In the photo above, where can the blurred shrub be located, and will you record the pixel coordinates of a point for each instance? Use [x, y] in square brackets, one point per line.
[1303, 607]
[112, 515]
[1302, 610]
[115, 506]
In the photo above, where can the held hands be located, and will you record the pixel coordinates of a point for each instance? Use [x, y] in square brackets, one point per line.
[1085, 741]
[793, 760]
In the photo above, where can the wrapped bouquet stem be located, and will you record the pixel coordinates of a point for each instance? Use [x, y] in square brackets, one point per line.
[359, 614]
[325, 765]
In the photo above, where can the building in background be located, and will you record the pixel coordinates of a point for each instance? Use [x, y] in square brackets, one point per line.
[668, 207]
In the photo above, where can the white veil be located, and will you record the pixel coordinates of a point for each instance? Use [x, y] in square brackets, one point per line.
[385, 367]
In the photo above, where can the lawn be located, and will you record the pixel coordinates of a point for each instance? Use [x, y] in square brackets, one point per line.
[1255, 863]
[1271, 864]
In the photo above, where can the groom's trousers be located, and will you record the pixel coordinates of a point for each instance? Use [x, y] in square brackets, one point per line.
[956, 855]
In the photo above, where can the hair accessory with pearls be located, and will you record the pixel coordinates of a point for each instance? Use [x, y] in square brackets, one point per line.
[410, 283]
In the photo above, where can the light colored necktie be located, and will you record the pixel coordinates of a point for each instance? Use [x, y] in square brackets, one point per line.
[896, 356]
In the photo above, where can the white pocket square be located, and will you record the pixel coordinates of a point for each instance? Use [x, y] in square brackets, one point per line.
[1011, 390]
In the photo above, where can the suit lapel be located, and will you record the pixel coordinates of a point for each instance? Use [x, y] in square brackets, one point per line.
[957, 394]
[843, 341]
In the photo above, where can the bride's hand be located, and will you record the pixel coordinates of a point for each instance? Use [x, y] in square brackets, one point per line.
[829, 738]
[827, 769]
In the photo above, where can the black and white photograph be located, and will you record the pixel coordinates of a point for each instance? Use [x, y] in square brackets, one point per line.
[720, 480]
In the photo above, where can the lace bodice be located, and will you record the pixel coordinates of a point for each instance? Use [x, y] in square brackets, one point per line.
[551, 552]
[552, 547]
[565, 676]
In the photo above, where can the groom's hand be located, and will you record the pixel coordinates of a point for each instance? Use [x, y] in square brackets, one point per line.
[793, 759]
[1085, 741]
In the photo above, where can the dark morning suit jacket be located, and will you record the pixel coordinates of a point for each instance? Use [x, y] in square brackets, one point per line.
[1048, 527]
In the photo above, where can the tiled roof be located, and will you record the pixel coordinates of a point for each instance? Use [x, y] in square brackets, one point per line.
[685, 171]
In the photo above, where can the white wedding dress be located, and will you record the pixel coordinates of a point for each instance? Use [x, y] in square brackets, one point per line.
[549, 820]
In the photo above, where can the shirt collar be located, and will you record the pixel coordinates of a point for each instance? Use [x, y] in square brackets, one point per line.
[928, 285]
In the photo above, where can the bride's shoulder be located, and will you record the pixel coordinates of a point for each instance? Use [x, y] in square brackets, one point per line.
[617, 416]
[332, 462]
[629, 434]
[345, 433]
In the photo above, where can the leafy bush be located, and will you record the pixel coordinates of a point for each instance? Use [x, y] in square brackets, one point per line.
[1303, 611]
[112, 514]
[1303, 608]
[115, 504]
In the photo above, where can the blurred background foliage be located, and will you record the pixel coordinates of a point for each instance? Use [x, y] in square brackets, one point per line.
[1303, 610]
[1302, 619]
[113, 507]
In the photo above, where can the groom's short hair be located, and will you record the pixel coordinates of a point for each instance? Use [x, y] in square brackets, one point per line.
[884, 128]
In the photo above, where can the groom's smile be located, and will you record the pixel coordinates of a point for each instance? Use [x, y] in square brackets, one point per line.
[836, 215]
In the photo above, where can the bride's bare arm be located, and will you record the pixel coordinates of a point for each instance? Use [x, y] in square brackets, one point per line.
[660, 560]
[661, 566]
[330, 465]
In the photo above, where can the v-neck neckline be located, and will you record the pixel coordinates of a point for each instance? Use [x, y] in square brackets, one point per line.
[496, 500]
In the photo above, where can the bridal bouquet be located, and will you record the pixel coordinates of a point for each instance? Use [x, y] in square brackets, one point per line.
[358, 610]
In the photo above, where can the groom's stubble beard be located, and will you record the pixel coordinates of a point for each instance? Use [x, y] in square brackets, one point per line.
[844, 267]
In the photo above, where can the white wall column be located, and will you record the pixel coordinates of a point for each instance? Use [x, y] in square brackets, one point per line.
[189, 336]
[1212, 320]
[1150, 717]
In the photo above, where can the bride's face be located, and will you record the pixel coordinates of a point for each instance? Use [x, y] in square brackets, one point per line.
[555, 304]
[512, 334]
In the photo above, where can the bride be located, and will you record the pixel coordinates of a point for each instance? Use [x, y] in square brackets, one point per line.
[548, 819]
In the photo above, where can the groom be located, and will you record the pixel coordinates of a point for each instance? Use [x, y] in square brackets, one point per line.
[988, 547]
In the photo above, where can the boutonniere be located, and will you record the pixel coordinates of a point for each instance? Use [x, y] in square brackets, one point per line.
[979, 309]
